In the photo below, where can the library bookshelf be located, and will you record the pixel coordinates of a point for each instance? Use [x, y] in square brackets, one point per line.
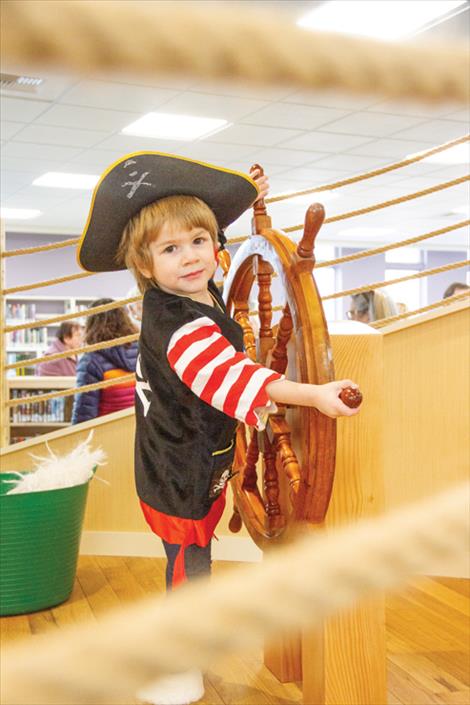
[33, 342]
[29, 420]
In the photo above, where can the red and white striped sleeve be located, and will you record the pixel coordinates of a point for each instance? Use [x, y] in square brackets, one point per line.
[210, 366]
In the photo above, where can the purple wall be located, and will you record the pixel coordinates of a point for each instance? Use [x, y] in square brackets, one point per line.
[58, 263]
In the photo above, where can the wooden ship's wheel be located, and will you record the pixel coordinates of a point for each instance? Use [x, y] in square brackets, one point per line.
[284, 473]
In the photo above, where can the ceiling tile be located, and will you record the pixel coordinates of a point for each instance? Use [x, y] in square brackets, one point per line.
[124, 144]
[214, 106]
[314, 175]
[86, 118]
[45, 134]
[22, 110]
[242, 90]
[8, 129]
[34, 166]
[117, 96]
[351, 163]
[32, 197]
[211, 152]
[417, 108]
[398, 149]
[253, 135]
[370, 124]
[284, 156]
[332, 99]
[462, 116]
[95, 159]
[324, 142]
[47, 152]
[301, 117]
[434, 131]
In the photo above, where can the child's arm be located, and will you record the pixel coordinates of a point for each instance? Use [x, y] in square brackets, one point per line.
[324, 397]
[228, 380]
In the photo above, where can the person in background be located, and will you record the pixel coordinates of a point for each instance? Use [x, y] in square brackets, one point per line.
[371, 306]
[455, 288]
[107, 363]
[69, 337]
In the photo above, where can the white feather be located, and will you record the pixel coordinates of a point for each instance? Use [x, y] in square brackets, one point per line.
[53, 472]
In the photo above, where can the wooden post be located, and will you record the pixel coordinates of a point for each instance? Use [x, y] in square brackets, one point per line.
[4, 410]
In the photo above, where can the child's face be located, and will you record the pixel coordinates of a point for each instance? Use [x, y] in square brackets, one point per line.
[182, 260]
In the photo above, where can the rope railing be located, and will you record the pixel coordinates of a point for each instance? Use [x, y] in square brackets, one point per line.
[41, 248]
[75, 314]
[392, 246]
[123, 340]
[30, 399]
[370, 209]
[294, 588]
[379, 285]
[424, 309]
[386, 204]
[368, 174]
[47, 282]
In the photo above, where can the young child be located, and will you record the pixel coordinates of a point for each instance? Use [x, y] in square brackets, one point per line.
[194, 382]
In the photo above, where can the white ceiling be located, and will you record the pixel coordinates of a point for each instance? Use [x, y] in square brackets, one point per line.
[302, 139]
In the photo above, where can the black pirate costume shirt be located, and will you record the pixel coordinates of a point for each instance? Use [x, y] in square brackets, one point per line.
[193, 383]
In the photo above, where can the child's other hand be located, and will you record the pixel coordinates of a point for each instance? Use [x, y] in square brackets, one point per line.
[328, 402]
[262, 182]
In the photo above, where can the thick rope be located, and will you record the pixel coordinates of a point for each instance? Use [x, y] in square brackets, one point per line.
[123, 340]
[47, 282]
[293, 588]
[225, 43]
[406, 314]
[40, 248]
[75, 314]
[379, 285]
[393, 246]
[369, 174]
[125, 379]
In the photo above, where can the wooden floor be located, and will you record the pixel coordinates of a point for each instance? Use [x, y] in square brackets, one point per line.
[427, 635]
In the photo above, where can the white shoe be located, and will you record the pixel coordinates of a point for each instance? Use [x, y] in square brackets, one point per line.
[175, 689]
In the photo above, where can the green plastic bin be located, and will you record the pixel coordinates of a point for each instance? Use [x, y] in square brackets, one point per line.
[39, 543]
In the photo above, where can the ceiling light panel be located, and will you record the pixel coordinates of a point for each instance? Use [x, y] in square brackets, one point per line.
[387, 19]
[174, 126]
[57, 179]
[19, 213]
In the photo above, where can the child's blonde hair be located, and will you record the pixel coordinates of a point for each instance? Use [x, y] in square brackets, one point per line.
[141, 230]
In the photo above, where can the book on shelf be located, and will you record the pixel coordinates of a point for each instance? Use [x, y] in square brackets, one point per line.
[13, 357]
[20, 311]
[48, 411]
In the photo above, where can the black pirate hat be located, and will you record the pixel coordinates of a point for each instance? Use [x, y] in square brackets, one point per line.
[138, 179]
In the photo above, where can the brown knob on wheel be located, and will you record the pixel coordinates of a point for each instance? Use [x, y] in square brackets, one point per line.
[351, 397]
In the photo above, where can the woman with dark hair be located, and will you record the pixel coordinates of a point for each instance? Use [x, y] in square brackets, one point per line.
[107, 363]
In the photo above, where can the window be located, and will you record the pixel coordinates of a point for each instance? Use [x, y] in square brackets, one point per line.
[404, 255]
[409, 292]
[326, 283]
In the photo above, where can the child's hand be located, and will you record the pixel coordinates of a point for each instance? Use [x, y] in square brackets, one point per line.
[262, 182]
[327, 399]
